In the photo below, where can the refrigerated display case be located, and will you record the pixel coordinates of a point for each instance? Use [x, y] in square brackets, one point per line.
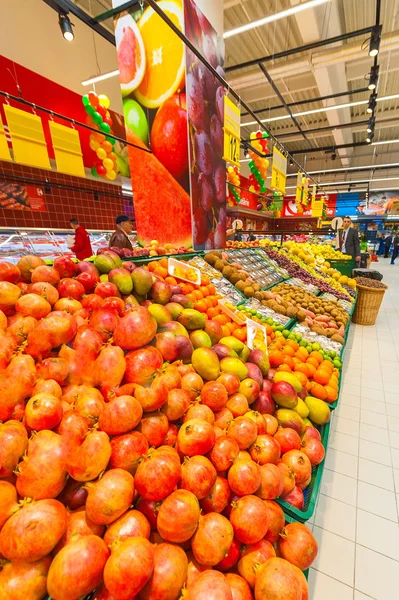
[46, 243]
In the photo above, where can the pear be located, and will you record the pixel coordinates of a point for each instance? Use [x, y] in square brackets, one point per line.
[319, 411]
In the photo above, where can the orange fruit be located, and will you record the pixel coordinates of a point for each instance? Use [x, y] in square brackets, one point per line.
[212, 289]
[191, 297]
[161, 271]
[152, 265]
[204, 290]
[285, 368]
[289, 361]
[293, 344]
[198, 294]
[302, 368]
[170, 280]
[302, 352]
[288, 351]
[276, 358]
[301, 377]
[332, 393]
[297, 361]
[240, 334]
[164, 262]
[226, 331]
[201, 306]
[327, 366]
[311, 369]
[321, 376]
[222, 319]
[269, 330]
[312, 361]
[214, 300]
[165, 54]
[208, 302]
[318, 391]
[317, 355]
[204, 280]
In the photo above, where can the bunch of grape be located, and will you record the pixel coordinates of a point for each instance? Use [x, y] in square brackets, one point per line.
[205, 109]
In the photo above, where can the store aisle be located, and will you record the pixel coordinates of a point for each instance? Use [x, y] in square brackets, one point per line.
[356, 518]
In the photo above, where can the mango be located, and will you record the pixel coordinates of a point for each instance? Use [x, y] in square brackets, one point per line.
[122, 279]
[200, 339]
[319, 411]
[224, 351]
[205, 361]
[289, 378]
[104, 277]
[160, 313]
[183, 300]
[142, 281]
[173, 327]
[244, 354]
[214, 330]
[161, 292]
[261, 360]
[107, 261]
[191, 319]
[289, 418]
[233, 343]
[175, 309]
[235, 366]
[308, 423]
[302, 409]
[284, 394]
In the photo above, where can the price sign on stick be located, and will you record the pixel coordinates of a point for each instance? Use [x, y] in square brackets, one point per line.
[256, 336]
[231, 148]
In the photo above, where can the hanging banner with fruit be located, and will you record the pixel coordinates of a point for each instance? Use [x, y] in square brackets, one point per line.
[258, 164]
[205, 109]
[151, 60]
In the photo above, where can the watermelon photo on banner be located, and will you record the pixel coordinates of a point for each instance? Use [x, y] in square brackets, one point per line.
[151, 60]
[205, 108]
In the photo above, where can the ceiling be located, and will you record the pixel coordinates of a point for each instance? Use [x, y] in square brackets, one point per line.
[300, 77]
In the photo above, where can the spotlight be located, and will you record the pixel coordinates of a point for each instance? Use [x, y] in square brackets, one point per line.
[372, 103]
[373, 77]
[246, 153]
[66, 27]
[291, 162]
[371, 124]
[333, 155]
[369, 137]
[375, 41]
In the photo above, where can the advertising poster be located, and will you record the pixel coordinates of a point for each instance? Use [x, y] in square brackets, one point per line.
[205, 107]
[151, 60]
[21, 197]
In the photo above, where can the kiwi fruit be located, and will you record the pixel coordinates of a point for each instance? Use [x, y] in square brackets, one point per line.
[240, 285]
[249, 291]
[300, 315]
[219, 265]
[292, 311]
[227, 272]
[234, 278]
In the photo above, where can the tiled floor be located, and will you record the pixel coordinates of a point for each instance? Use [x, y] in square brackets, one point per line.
[356, 518]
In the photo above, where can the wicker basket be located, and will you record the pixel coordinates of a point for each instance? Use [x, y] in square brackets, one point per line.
[368, 304]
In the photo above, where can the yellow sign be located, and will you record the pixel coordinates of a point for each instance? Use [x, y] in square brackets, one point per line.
[4, 149]
[27, 136]
[305, 194]
[231, 148]
[317, 204]
[279, 170]
[298, 194]
[67, 150]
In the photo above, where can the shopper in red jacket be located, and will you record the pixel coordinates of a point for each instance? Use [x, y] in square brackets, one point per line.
[81, 246]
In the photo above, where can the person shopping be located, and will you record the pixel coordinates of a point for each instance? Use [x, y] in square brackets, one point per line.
[120, 237]
[348, 240]
[387, 244]
[395, 248]
[81, 246]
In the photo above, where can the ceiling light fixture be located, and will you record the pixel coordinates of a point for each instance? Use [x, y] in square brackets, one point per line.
[386, 142]
[276, 17]
[375, 41]
[319, 110]
[66, 27]
[371, 123]
[369, 137]
[246, 153]
[100, 77]
[373, 77]
[372, 103]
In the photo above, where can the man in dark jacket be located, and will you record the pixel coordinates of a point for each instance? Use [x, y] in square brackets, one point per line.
[82, 246]
[395, 248]
[120, 237]
[348, 240]
[387, 244]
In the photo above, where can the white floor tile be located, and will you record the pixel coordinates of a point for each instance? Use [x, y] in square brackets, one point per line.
[350, 388]
[395, 458]
[326, 588]
[376, 575]
[392, 410]
[391, 398]
[372, 418]
[348, 412]
[396, 480]
[344, 443]
[375, 452]
[377, 501]
[336, 516]
[372, 383]
[374, 434]
[393, 424]
[336, 556]
[345, 426]
[394, 439]
[392, 388]
[340, 462]
[373, 405]
[339, 487]
[372, 394]
[351, 379]
[360, 596]
[378, 475]
[349, 400]
[377, 534]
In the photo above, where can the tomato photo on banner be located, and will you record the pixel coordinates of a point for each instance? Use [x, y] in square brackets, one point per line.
[205, 107]
[151, 60]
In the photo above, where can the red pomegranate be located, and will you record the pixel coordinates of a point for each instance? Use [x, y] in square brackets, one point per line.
[249, 519]
[110, 496]
[27, 264]
[88, 280]
[244, 431]
[223, 418]
[135, 329]
[70, 288]
[224, 452]
[169, 575]
[9, 295]
[178, 516]
[120, 415]
[271, 484]
[300, 464]
[158, 473]
[295, 498]
[210, 584]
[238, 405]
[43, 411]
[22, 580]
[129, 567]
[13, 444]
[240, 589]
[126, 450]
[154, 426]
[195, 437]
[45, 289]
[142, 365]
[198, 476]
[218, 498]
[314, 450]
[278, 579]
[131, 524]
[79, 524]
[46, 274]
[65, 266]
[298, 545]
[276, 520]
[106, 289]
[288, 478]
[212, 540]
[214, 395]
[244, 477]
[9, 272]
[252, 558]
[231, 557]
[176, 405]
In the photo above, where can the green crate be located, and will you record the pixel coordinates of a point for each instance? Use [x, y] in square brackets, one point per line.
[312, 491]
[345, 267]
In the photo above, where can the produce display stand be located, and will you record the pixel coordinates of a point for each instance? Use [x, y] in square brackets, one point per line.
[343, 266]
[311, 493]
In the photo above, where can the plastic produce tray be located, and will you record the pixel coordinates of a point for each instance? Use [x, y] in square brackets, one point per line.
[312, 491]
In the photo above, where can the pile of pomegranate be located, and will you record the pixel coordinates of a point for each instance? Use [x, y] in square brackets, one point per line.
[129, 475]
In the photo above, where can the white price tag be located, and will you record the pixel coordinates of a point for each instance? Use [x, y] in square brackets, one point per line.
[256, 336]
